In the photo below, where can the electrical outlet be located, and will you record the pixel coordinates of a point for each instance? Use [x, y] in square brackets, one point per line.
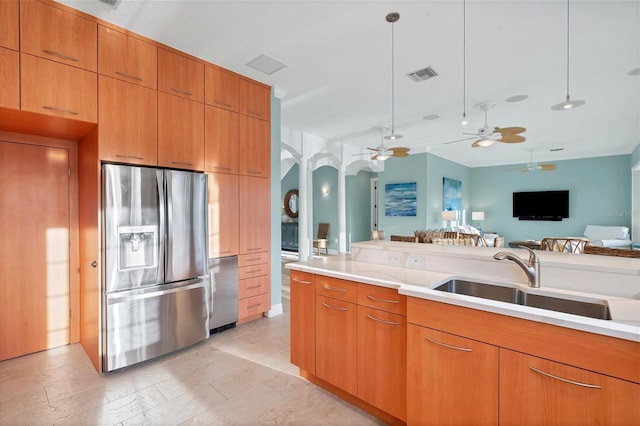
[394, 258]
[416, 261]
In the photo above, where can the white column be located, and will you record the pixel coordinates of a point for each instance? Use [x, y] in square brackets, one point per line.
[304, 210]
[342, 208]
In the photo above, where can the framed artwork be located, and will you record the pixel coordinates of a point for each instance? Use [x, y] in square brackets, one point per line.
[400, 199]
[451, 194]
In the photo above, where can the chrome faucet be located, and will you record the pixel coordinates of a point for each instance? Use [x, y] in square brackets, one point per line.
[531, 268]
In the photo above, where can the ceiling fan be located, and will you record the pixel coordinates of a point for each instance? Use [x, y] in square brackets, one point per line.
[381, 152]
[532, 166]
[487, 135]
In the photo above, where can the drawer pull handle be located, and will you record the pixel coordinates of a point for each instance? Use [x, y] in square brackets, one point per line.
[301, 282]
[60, 55]
[382, 300]
[129, 156]
[222, 103]
[68, 111]
[127, 75]
[254, 248]
[253, 259]
[253, 271]
[183, 91]
[337, 308]
[222, 168]
[254, 305]
[254, 112]
[382, 321]
[562, 379]
[226, 251]
[449, 346]
[341, 290]
[253, 286]
[182, 163]
[254, 172]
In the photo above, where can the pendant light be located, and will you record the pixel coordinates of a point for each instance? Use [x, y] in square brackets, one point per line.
[392, 18]
[568, 103]
[464, 121]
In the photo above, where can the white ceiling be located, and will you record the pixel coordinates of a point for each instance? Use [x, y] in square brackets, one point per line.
[337, 79]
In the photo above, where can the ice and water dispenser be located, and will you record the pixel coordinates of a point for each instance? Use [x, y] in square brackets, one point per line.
[138, 247]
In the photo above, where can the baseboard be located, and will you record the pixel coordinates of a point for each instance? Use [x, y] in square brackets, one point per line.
[275, 310]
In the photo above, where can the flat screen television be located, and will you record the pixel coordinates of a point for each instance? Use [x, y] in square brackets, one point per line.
[541, 205]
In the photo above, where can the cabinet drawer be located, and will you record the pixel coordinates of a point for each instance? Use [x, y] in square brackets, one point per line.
[386, 299]
[54, 34]
[337, 288]
[9, 78]
[253, 259]
[221, 88]
[253, 271]
[180, 76]
[304, 278]
[253, 286]
[127, 58]
[53, 88]
[253, 305]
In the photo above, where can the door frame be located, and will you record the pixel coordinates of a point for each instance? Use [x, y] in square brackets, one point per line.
[74, 252]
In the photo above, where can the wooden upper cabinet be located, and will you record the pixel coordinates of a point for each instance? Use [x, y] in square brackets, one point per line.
[255, 199]
[9, 78]
[56, 89]
[221, 88]
[254, 146]
[9, 24]
[128, 122]
[127, 58]
[220, 140]
[180, 76]
[180, 132]
[254, 99]
[223, 215]
[55, 34]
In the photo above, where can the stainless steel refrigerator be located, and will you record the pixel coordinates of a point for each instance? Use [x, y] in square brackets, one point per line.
[155, 285]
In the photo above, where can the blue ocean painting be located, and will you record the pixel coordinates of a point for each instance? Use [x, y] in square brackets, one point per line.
[451, 194]
[400, 199]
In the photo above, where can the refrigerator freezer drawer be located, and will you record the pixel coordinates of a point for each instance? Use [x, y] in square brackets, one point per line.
[144, 324]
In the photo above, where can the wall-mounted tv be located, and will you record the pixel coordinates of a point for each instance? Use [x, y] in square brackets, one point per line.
[541, 205]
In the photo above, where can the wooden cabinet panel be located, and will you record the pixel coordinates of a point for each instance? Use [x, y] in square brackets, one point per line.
[254, 100]
[180, 76]
[254, 141]
[56, 89]
[252, 306]
[127, 58]
[9, 24]
[128, 122]
[220, 140]
[383, 298]
[9, 78]
[337, 288]
[221, 88]
[382, 360]
[336, 344]
[253, 214]
[58, 35]
[303, 323]
[180, 132]
[253, 271]
[253, 287]
[223, 215]
[253, 259]
[451, 380]
[557, 394]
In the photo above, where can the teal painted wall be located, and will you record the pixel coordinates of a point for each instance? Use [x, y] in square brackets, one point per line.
[359, 207]
[599, 194]
[437, 169]
[635, 156]
[290, 181]
[276, 271]
[325, 207]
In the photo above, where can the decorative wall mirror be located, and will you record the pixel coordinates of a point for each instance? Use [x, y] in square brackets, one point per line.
[291, 203]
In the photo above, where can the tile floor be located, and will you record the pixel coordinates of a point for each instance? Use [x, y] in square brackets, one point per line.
[241, 376]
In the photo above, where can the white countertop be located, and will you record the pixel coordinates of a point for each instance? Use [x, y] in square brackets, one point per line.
[625, 312]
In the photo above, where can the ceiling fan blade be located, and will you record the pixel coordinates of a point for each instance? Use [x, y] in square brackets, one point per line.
[509, 138]
[399, 149]
[459, 140]
[510, 130]
[476, 144]
[546, 167]
[400, 154]
[474, 134]
[373, 149]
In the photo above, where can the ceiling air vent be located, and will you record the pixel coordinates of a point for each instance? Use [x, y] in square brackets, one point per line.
[423, 74]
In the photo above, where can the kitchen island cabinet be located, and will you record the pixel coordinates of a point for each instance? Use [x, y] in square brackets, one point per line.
[303, 331]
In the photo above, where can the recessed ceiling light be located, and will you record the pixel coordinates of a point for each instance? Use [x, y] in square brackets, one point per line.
[265, 64]
[431, 117]
[635, 71]
[516, 98]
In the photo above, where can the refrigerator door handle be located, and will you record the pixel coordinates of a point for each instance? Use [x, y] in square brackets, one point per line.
[152, 292]
[162, 210]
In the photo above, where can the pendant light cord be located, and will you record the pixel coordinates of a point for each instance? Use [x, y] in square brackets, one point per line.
[393, 115]
[464, 58]
[567, 50]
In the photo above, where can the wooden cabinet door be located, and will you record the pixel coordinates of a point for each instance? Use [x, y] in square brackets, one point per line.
[254, 214]
[9, 24]
[180, 76]
[535, 391]
[336, 343]
[127, 58]
[254, 146]
[128, 122]
[254, 100]
[382, 360]
[56, 89]
[451, 380]
[223, 214]
[303, 320]
[9, 78]
[180, 132]
[221, 88]
[58, 35]
[220, 140]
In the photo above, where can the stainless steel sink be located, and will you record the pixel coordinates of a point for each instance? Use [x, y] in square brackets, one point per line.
[593, 309]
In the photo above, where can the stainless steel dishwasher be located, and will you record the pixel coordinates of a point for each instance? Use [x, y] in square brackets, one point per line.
[223, 275]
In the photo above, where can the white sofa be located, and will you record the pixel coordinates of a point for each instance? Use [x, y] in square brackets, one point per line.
[608, 236]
